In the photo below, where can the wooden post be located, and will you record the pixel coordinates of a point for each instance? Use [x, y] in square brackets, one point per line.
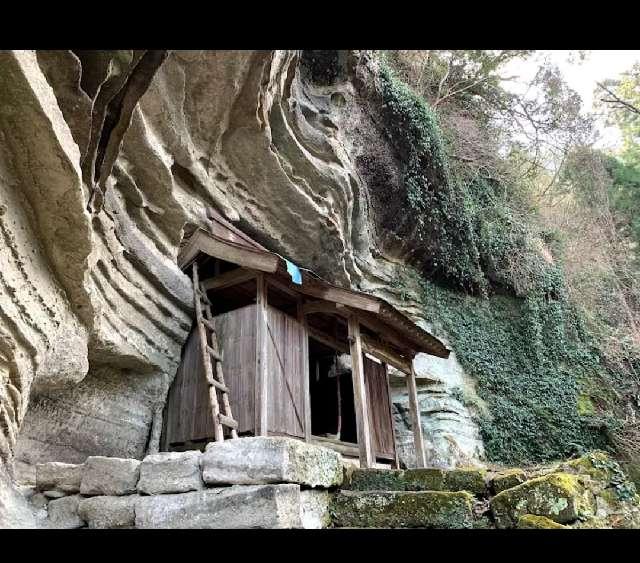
[367, 458]
[261, 384]
[393, 432]
[415, 418]
[305, 371]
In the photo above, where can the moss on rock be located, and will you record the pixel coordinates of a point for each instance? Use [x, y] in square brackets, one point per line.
[531, 521]
[597, 465]
[507, 479]
[402, 509]
[561, 497]
[470, 479]
[376, 480]
[424, 479]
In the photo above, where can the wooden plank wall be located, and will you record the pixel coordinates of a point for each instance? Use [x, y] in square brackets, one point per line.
[188, 413]
[237, 341]
[380, 422]
[285, 371]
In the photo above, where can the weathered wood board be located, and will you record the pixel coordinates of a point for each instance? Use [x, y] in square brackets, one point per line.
[380, 422]
[188, 415]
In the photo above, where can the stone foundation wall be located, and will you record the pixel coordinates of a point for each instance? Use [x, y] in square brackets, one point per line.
[244, 483]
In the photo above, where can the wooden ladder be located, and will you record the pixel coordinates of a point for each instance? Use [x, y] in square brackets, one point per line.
[211, 353]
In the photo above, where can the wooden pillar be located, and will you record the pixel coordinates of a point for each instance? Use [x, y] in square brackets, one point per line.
[415, 418]
[396, 462]
[367, 456]
[261, 399]
[304, 350]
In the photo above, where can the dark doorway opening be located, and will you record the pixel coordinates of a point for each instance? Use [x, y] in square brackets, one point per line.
[333, 412]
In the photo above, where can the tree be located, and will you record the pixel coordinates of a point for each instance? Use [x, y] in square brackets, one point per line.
[620, 100]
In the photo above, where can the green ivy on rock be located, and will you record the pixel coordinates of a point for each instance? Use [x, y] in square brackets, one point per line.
[529, 358]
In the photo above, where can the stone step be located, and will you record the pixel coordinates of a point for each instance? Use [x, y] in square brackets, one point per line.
[402, 509]
[472, 480]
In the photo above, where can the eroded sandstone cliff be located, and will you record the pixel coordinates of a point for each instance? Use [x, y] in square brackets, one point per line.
[106, 160]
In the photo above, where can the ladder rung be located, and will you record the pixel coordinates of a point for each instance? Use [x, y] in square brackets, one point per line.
[213, 354]
[227, 421]
[209, 325]
[203, 297]
[218, 385]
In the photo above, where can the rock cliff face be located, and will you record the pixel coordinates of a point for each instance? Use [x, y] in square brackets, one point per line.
[107, 159]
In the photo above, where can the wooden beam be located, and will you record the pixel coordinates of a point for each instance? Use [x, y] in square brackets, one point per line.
[385, 332]
[328, 340]
[415, 418]
[305, 371]
[369, 345]
[202, 241]
[345, 448]
[385, 354]
[228, 279]
[335, 294]
[325, 307]
[367, 458]
[261, 387]
[275, 282]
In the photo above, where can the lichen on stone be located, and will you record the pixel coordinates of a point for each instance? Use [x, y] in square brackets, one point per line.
[531, 521]
[562, 497]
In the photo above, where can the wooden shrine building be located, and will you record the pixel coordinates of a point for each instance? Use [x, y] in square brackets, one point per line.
[276, 354]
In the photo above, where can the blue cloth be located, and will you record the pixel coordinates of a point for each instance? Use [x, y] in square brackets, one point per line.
[294, 272]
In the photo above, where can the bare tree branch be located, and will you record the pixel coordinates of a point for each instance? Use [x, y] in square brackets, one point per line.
[617, 100]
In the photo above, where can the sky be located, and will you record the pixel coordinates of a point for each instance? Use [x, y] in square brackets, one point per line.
[581, 76]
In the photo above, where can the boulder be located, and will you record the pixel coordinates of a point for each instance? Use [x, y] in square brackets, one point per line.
[170, 472]
[262, 506]
[402, 509]
[314, 506]
[63, 513]
[111, 476]
[108, 512]
[561, 497]
[263, 460]
[533, 522]
[64, 477]
[507, 479]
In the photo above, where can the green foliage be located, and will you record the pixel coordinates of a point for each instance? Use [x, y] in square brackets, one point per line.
[464, 226]
[542, 377]
[530, 359]
[624, 488]
[625, 194]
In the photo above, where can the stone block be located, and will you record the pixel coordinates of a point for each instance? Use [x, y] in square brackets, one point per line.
[507, 479]
[63, 513]
[111, 476]
[402, 509]
[64, 477]
[314, 506]
[423, 479]
[261, 506]
[263, 460]
[170, 472]
[108, 512]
